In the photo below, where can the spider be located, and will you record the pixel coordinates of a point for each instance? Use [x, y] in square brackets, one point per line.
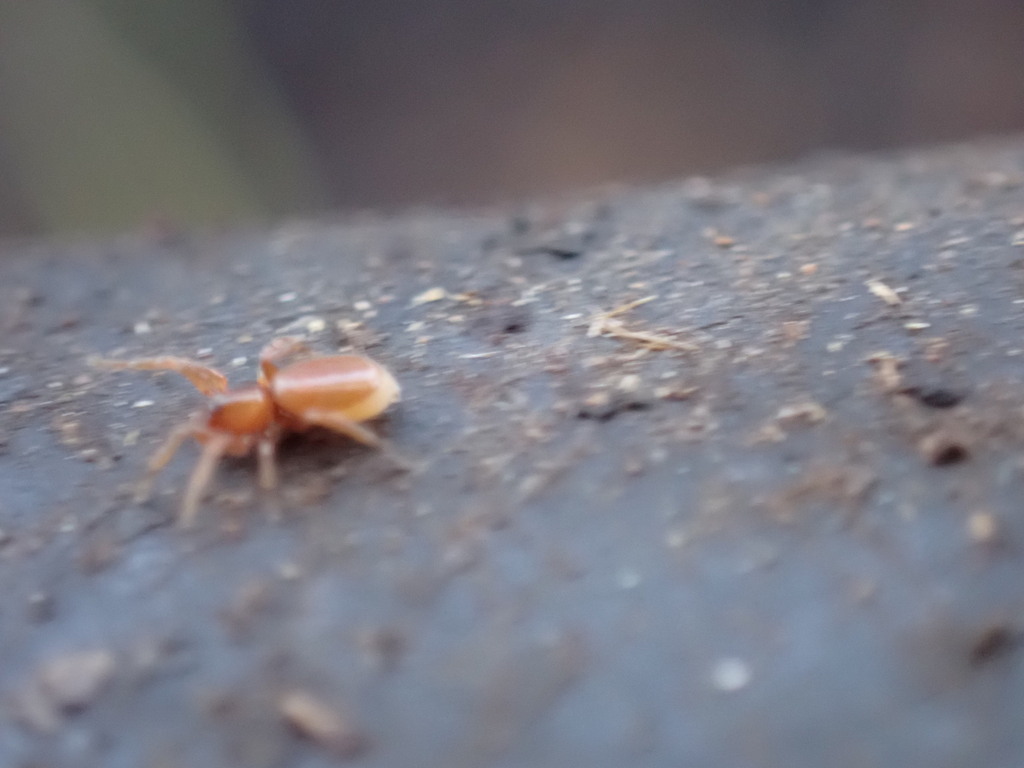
[337, 392]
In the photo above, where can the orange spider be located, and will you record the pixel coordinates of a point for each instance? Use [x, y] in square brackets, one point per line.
[337, 392]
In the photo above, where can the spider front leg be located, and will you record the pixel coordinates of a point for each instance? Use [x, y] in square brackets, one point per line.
[213, 451]
[164, 454]
[207, 380]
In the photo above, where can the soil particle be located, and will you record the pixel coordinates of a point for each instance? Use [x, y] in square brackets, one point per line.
[74, 680]
[63, 685]
[326, 725]
[935, 397]
[943, 449]
[994, 641]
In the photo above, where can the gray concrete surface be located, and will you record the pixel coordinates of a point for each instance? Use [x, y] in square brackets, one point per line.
[765, 514]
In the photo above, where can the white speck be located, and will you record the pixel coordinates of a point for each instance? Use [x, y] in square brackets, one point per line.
[204, 352]
[677, 538]
[142, 404]
[284, 298]
[627, 578]
[983, 527]
[730, 674]
[885, 293]
[573, 316]
[629, 383]
[4, 371]
[289, 571]
[142, 328]
[238, 362]
[430, 295]
[55, 385]
[316, 325]
[362, 306]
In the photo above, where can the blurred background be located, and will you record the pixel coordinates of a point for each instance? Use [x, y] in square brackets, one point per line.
[116, 114]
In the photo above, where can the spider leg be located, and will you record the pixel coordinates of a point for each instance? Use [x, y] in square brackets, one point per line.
[168, 448]
[213, 450]
[346, 426]
[205, 379]
[343, 425]
[266, 457]
[277, 350]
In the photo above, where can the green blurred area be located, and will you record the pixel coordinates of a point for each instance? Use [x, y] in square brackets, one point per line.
[116, 113]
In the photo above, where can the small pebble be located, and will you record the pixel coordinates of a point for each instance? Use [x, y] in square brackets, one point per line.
[982, 527]
[74, 680]
[429, 295]
[942, 450]
[629, 383]
[322, 724]
[730, 675]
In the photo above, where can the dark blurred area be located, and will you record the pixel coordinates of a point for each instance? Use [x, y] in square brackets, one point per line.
[118, 114]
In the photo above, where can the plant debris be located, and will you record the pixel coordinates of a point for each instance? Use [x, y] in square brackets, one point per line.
[884, 292]
[327, 726]
[607, 324]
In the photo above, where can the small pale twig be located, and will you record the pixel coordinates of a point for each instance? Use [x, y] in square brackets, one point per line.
[652, 340]
[884, 292]
[605, 324]
[600, 320]
[629, 306]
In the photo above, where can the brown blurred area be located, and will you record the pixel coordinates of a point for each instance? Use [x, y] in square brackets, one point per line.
[402, 102]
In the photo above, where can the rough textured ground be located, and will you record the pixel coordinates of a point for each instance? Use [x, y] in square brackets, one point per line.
[722, 473]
